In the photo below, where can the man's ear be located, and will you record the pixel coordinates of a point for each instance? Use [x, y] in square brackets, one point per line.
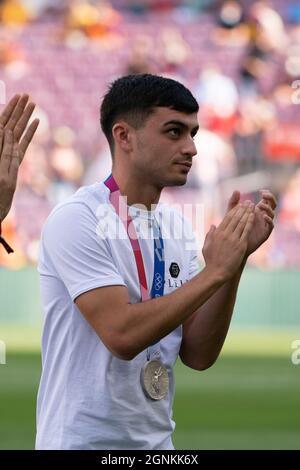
[122, 134]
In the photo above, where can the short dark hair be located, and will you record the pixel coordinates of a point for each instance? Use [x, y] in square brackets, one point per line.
[134, 97]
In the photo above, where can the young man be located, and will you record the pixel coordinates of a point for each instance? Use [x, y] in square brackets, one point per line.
[13, 122]
[115, 319]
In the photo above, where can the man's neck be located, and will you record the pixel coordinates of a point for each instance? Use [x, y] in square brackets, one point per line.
[136, 190]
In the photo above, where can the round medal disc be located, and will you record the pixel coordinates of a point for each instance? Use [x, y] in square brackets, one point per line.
[155, 379]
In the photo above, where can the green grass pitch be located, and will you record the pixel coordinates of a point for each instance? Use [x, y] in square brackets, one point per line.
[248, 400]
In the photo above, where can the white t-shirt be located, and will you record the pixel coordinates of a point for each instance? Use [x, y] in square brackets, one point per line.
[88, 398]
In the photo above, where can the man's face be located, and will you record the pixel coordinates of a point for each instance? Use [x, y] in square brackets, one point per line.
[163, 148]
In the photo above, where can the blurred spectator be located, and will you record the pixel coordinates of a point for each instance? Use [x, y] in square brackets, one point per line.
[214, 162]
[268, 28]
[267, 38]
[257, 115]
[32, 204]
[294, 12]
[141, 56]
[292, 56]
[231, 14]
[218, 98]
[231, 28]
[39, 8]
[290, 203]
[240, 59]
[14, 12]
[174, 49]
[10, 49]
[100, 167]
[95, 19]
[66, 166]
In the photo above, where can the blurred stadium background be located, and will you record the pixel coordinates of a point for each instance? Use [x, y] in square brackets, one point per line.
[241, 59]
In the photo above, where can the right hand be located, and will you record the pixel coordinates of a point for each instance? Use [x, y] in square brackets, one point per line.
[225, 246]
[14, 140]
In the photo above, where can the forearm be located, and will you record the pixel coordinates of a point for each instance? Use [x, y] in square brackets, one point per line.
[205, 331]
[127, 329]
[147, 322]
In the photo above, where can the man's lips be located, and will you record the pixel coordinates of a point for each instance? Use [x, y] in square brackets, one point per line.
[184, 164]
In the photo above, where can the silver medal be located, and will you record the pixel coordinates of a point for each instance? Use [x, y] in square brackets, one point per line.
[155, 379]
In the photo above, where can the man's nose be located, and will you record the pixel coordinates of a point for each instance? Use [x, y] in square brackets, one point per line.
[189, 147]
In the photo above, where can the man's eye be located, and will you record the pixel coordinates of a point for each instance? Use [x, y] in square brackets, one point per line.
[174, 132]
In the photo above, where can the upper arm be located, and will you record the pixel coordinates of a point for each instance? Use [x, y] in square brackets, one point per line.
[105, 310]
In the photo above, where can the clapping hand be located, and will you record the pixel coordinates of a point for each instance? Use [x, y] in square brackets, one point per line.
[263, 221]
[14, 141]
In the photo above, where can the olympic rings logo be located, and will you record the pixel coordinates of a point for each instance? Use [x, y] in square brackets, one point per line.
[158, 281]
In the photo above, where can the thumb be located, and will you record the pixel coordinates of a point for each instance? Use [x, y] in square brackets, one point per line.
[234, 199]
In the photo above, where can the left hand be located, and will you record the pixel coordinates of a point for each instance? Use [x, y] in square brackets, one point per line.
[263, 222]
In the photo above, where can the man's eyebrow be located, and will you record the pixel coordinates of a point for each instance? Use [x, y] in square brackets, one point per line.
[181, 124]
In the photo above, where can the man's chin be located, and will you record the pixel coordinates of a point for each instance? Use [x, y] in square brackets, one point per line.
[179, 180]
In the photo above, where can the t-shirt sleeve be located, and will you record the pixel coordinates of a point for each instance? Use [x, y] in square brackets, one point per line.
[72, 250]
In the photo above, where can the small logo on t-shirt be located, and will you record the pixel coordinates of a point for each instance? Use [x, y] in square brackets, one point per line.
[174, 270]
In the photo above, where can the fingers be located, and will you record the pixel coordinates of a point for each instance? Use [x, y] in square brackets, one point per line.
[228, 217]
[13, 153]
[8, 110]
[266, 208]
[7, 152]
[23, 121]
[234, 200]
[248, 227]
[237, 216]
[269, 198]
[17, 112]
[244, 219]
[28, 137]
[269, 220]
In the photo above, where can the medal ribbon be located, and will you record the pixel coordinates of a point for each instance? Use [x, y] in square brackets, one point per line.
[118, 202]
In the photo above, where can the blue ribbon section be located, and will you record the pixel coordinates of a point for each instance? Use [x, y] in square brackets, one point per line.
[159, 263]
